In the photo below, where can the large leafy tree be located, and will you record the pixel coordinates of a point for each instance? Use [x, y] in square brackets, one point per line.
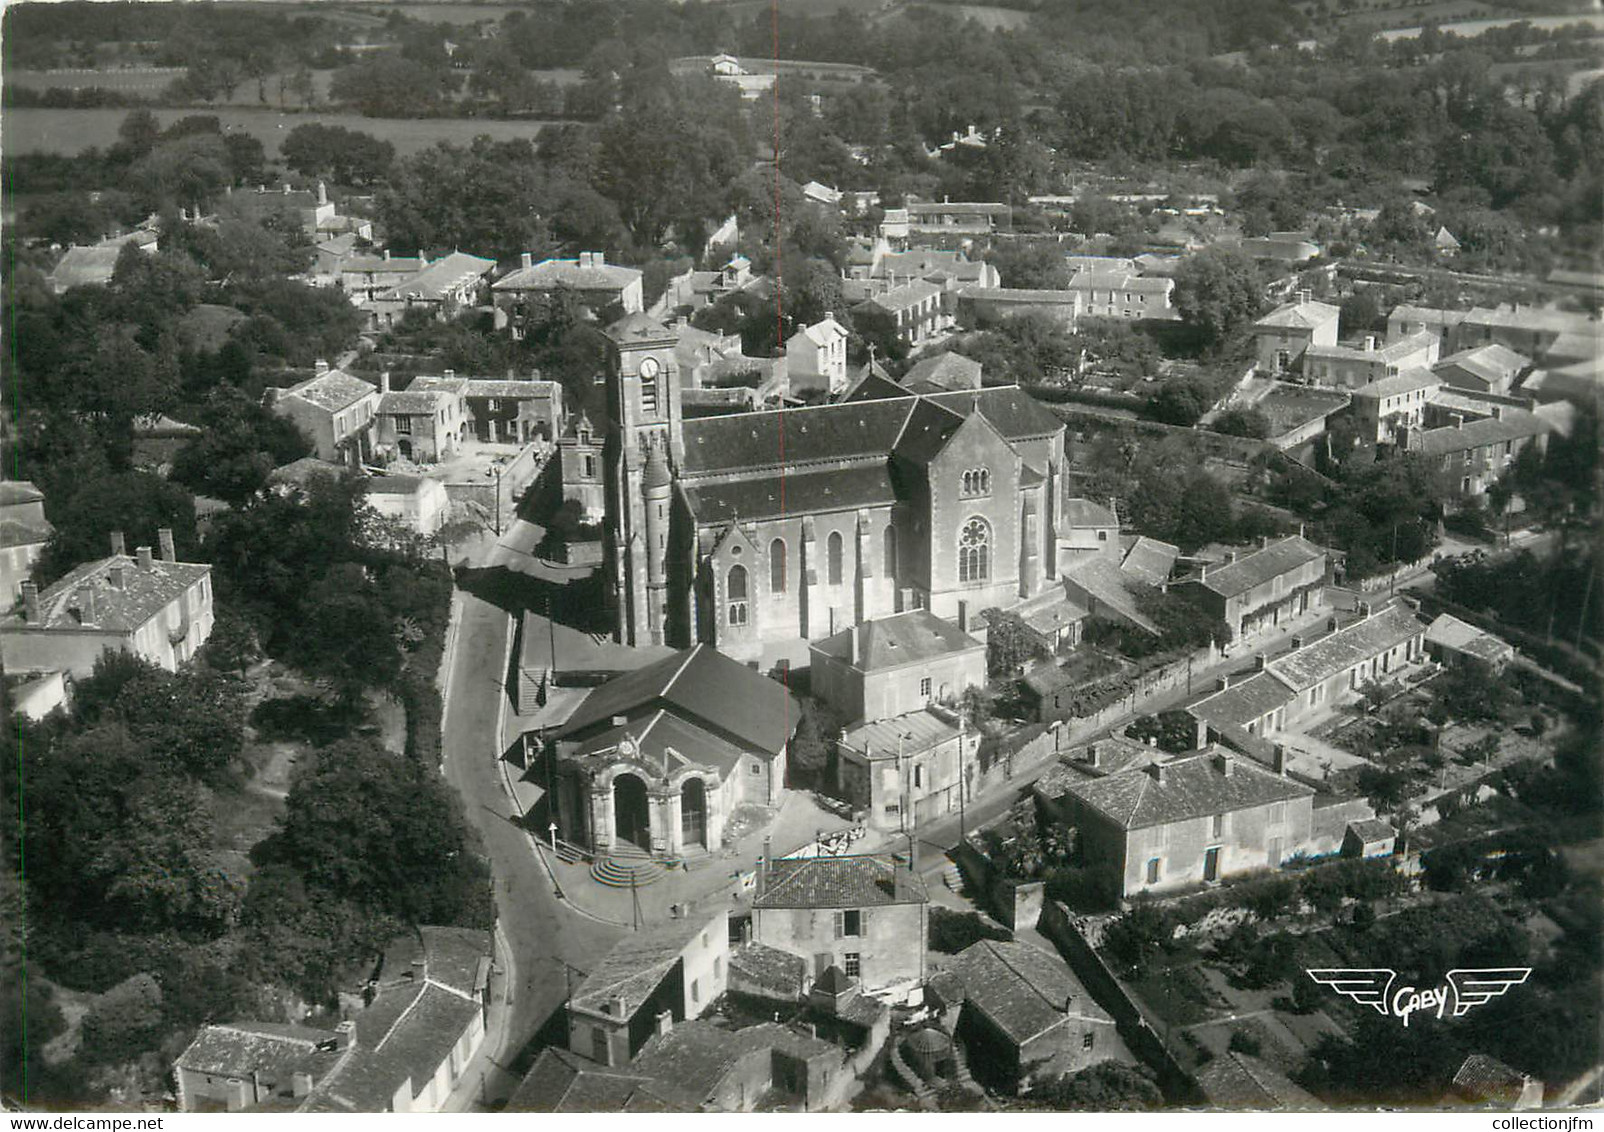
[1217, 291]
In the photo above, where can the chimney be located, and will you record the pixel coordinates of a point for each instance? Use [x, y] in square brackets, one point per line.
[1297, 641]
[30, 603]
[384, 381]
[1498, 412]
[598, 259]
[450, 373]
[764, 865]
[321, 365]
[665, 1022]
[620, 720]
[1260, 662]
[387, 255]
[526, 260]
[286, 188]
[1458, 419]
[1370, 343]
[1278, 761]
[118, 546]
[1156, 770]
[146, 562]
[1364, 609]
[345, 1035]
[1200, 737]
[1203, 572]
[1305, 297]
[164, 537]
[1226, 764]
[301, 1084]
[1300, 530]
[118, 577]
[857, 644]
[1152, 740]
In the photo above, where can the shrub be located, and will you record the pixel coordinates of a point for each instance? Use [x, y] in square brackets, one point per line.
[951, 932]
[1244, 1042]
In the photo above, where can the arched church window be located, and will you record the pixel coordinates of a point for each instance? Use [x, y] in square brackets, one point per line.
[736, 592]
[777, 566]
[977, 481]
[834, 556]
[974, 551]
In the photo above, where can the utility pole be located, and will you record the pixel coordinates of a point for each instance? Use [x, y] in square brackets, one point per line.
[498, 500]
[1581, 616]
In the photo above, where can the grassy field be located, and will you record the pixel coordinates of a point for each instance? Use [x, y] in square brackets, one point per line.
[29, 130]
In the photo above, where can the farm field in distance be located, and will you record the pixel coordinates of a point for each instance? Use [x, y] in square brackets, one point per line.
[37, 130]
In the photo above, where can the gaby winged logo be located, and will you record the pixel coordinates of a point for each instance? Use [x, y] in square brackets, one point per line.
[1465, 987]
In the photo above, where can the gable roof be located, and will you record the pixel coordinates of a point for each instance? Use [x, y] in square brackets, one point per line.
[551, 273]
[805, 493]
[274, 1049]
[1083, 512]
[926, 432]
[1244, 702]
[560, 1081]
[909, 294]
[903, 638]
[1356, 643]
[1492, 363]
[1510, 424]
[1236, 1081]
[705, 685]
[900, 736]
[81, 266]
[1405, 381]
[330, 391]
[1194, 786]
[1104, 581]
[1150, 560]
[1260, 566]
[1299, 316]
[636, 964]
[839, 882]
[1022, 989]
[1450, 632]
[144, 594]
[405, 1036]
[443, 275]
[948, 370]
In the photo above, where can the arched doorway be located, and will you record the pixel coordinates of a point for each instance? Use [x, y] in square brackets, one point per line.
[404, 448]
[632, 819]
[693, 814]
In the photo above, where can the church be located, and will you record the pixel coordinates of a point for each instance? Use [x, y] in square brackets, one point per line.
[760, 532]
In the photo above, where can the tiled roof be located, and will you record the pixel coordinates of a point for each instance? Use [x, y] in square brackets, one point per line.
[408, 402]
[1390, 352]
[1049, 612]
[81, 266]
[908, 734]
[839, 882]
[561, 1081]
[145, 593]
[1194, 786]
[1259, 566]
[1120, 281]
[1450, 632]
[393, 485]
[769, 968]
[1371, 830]
[439, 277]
[1103, 580]
[1492, 363]
[1022, 989]
[823, 332]
[1115, 753]
[1082, 512]
[906, 296]
[873, 386]
[456, 957]
[1407, 381]
[1020, 295]
[1301, 316]
[688, 1063]
[704, 686]
[568, 273]
[1511, 424]
[379, 264]
[1244, 702]
[1431, 316]
[947, 369]
[331, 391]
[1236, 1081]
[636, 964]
[1150, 560]
[1485, 1078]
[1531, 318]
[412, 1047]
[662, 739]
[275, 1050]
[1334, 654]
[902, 638]
[511, 390]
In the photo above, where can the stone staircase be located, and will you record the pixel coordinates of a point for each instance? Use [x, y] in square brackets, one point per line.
[910, 1079]
[627, 872]
[952, 878]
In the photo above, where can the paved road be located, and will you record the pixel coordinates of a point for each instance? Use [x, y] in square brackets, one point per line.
[540, 932]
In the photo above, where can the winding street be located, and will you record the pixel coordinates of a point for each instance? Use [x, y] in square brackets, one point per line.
[540, 933]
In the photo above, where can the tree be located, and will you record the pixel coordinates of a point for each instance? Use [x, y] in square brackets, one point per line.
[1175, 731]
[1180, 401]
[813, 743]
[1030, 265]
[1251, 423]
[384, 833]
[346, 636]
[1138, 936]
[1361, 312]
[1108, 1086]
[349, 157]
[1217, 291]
[136, 503]
[1010, 645]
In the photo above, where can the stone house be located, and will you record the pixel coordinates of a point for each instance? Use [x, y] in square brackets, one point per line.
[579, 455]
[424, 426]
[24, 531]
[420, 503]
[916, 310]
[891, 666]
[1286, 333]
[1451, 642]
[1280, 581]
[158, 609]
[444, 288]
[1475, 454]
[1377, 647]
[1125, 296]
[1491, 368]
[646, 983]
[335, 410]
[1349, 367]
[503, 412]
[907, 770]
[1384, 408]
[868, 916]
[1026, 1013]
[599, 285]
[1197, 818]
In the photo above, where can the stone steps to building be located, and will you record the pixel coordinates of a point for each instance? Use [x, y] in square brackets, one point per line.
[569, 853]
[632, 873]
[952, 878]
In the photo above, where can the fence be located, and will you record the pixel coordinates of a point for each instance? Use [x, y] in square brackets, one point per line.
[1178, 1085]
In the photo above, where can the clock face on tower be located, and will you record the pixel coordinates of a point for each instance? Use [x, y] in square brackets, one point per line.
[648, 368]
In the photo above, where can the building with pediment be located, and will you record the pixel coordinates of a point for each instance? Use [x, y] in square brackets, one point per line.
[760, 532]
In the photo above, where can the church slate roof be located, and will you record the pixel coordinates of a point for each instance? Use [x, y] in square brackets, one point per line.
[947, 370]
[790, 437]
[926, 432]
[1012, 411]
[702, 683]
[805, 493]
[663, 740]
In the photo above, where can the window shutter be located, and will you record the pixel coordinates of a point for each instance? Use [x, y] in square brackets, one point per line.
[863, 923]
[840, 925]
